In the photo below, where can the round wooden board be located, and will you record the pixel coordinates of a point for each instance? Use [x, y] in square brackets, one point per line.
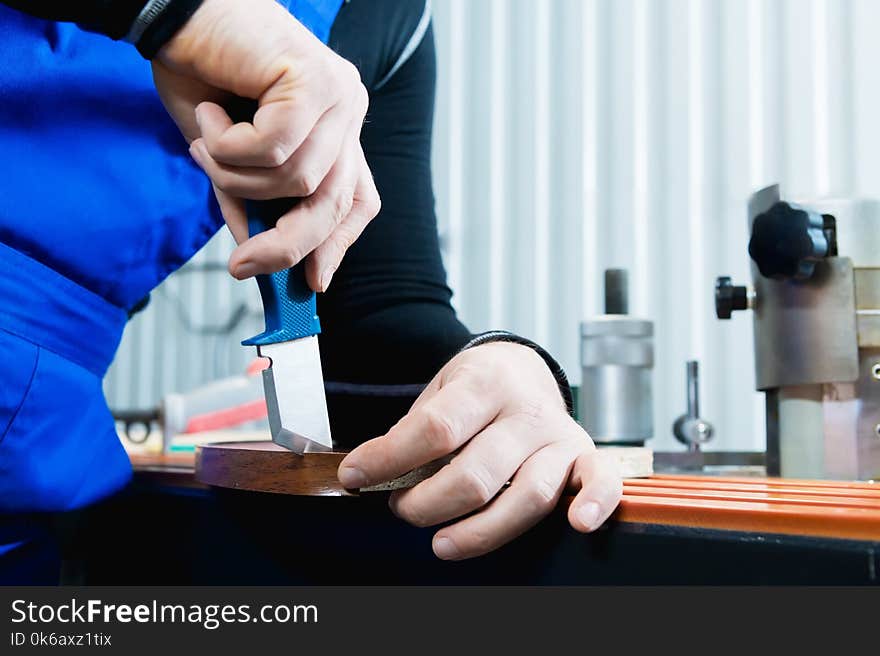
[267, 467]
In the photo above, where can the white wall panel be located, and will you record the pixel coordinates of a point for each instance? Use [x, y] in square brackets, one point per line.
[576, 135]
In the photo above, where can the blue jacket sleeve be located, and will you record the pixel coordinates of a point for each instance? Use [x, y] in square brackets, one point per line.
[115, 18]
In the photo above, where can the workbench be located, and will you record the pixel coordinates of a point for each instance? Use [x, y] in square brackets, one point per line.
[168, 528]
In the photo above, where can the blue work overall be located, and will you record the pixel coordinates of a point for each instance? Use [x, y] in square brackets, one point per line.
[99, 202]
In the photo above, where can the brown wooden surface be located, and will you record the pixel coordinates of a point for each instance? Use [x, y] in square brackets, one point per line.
[267, 467]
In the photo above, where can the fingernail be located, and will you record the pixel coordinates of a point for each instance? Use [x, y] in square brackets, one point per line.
[589, 514]
[352, 477]
[326, 277]
[446, 549]
[245, 270]
[199, 118]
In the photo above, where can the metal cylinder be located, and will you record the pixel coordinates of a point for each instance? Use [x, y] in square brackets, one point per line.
[617, 358]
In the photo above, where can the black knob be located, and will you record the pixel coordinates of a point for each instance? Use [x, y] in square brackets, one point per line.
[787, 242]
[729, 297]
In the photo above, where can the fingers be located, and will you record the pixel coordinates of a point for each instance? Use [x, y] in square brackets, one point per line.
[324, 260]
[277, 130]
[532, 494]
[303, 228]
[435, 428]
[234, 213]
[475, 476]
[598, 475]
[298, 176]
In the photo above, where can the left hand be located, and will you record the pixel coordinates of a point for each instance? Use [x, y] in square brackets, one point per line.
[498, 405]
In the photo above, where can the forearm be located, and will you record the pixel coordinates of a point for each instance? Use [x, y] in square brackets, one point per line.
[147, 23]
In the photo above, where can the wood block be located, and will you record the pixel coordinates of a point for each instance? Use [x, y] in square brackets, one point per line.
[267, 467]
[635, 461]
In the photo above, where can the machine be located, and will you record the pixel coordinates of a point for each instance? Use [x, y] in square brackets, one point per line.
[815, 302]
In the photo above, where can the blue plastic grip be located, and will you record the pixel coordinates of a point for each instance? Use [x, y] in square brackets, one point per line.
[289, 304]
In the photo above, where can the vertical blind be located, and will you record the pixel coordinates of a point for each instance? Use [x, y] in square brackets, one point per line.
[577, 135]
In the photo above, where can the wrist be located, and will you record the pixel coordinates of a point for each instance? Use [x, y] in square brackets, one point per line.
[555, 368]
[158, 22]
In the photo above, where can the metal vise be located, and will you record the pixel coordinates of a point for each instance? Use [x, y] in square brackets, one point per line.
[816, 310]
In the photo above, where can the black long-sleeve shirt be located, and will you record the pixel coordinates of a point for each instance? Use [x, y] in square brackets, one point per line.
[387, 315]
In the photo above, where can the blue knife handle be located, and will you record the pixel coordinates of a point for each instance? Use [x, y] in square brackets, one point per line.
[288, 302]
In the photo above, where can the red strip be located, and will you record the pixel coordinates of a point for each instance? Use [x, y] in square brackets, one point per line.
[251, 411]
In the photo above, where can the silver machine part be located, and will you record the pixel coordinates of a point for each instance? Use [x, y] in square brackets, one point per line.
[817, 350]
[617, 358]
[690, 429]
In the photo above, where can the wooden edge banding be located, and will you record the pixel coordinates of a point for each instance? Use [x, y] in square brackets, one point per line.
[267, 467]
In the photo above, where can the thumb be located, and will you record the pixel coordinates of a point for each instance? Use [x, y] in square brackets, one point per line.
[597, 474]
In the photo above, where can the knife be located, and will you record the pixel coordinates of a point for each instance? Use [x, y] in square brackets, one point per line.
[293, 383]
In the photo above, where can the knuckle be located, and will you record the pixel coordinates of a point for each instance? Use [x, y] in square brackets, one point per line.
[290, 256]
[345, 76]
[350, 73]
[372, 205]
[440, 435]
[277, 154]
[344, 238]
[476, 487]
[541, 496]
[223, 181]
[342, 203]
[414, 515]
[306, 182]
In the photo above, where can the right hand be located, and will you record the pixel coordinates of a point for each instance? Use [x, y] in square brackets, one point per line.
[304, 140]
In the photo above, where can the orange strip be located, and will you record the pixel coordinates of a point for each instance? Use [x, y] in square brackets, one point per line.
[762, 497]
[795, 507]
[756, 487]
[784, 482]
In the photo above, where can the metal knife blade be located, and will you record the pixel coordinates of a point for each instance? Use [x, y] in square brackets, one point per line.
[294, 388]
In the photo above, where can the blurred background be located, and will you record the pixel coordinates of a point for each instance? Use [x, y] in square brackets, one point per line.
[577, 135]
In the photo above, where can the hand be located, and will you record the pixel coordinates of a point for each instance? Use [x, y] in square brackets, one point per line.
[500, 406]
[303, 141]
